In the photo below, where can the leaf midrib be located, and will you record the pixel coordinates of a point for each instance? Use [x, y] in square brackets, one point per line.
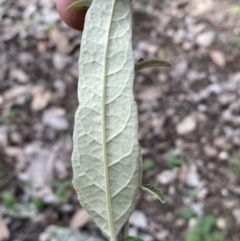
[104, 142]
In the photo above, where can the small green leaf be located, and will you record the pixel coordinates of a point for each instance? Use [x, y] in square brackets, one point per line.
[148, 164]
[186, 213]
[9, 200]
[236, 42]
[36, 202]
[81, 4]
[155, 191]
[151, 63]
[192, 193]
[174, 160]
[130, 238]
[204, 230]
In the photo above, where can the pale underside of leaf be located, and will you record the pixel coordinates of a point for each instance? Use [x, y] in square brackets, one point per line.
[151, 63]
[106, 157]
[155, 191]
[81, 4]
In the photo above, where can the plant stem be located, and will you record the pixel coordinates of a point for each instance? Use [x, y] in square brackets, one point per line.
[123, 232]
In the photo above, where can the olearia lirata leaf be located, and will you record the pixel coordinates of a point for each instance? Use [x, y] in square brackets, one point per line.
[106, 157]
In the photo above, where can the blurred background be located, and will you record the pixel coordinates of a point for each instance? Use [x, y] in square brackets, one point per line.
[189, 122]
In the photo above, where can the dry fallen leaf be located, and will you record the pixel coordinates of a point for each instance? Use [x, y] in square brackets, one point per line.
[19, 75]
[4, 232]
[41, 98]
[16, 92]
[150, 94]
[79, 219]
[218, 58]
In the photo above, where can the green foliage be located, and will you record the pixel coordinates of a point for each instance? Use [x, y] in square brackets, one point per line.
[235, 10]
[10, 116]
[61, 191]
[130, 238]
[192, 193]
[28, 98]
[9, 200]
[236, 42]
[143, 10]
[203, 230]
[36, 202]
[153, 190]
[29, 183]
[187, 213]
[217, 236]
[174, 160]
[148, 164]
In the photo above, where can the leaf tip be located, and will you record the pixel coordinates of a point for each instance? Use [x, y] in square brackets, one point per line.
[155, 191]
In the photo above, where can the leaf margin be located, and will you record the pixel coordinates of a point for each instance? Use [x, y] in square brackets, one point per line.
[151, 63]
[79, 5]
[155, 191]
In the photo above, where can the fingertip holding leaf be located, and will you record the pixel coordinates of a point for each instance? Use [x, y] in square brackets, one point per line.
[74, 19]
[155, 191]
[130, 238]
[79, 5]
[151, 63]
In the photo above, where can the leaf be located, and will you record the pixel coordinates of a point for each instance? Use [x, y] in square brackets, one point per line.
[130, 238]
[106, 157]
[186, 213]
[8, 199]
[203, 230]
[82, 4]
[151, 63]
[148, 164]
[174, 160]
[155, 191]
